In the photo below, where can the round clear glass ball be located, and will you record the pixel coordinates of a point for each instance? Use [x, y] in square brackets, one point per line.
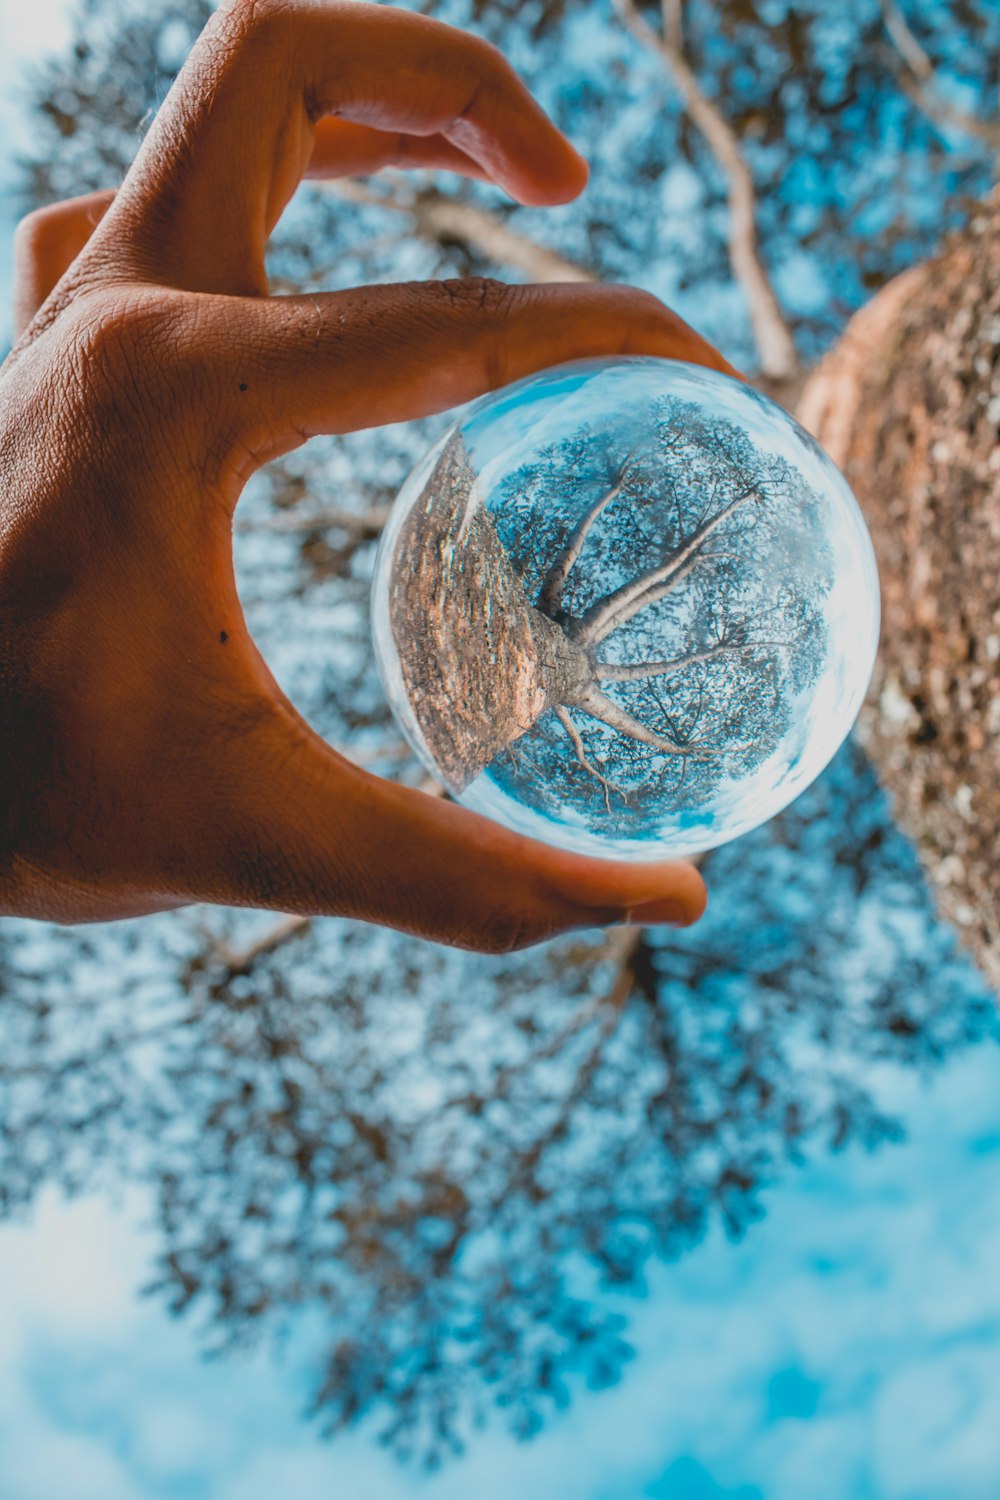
[627, 606]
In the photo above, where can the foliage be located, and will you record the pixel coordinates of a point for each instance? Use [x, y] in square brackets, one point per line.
[443, 1155]
[854, 180]
[681, 532]
[455, 1162]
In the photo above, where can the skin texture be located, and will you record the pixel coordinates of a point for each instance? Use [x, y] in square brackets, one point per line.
[147, 757]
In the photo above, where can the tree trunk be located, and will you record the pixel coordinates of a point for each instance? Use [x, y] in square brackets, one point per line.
[479, 662]
[908, 404]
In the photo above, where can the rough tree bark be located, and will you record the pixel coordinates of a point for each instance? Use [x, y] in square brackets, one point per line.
[460, 572]
[908, 404]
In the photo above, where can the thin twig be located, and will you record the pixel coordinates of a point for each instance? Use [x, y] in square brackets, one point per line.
[921, 87]
[612, 1004]
[563, 715]
[242, 960]
[621, 947]
[438, 218]
[905, 42]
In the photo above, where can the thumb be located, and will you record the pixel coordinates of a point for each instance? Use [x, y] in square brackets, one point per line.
[298, 828]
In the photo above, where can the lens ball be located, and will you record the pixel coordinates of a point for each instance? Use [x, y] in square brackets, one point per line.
[626, 606]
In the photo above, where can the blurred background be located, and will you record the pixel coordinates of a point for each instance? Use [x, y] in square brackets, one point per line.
[308, 1207]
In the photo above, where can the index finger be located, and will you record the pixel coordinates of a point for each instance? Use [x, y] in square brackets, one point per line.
[237, 130]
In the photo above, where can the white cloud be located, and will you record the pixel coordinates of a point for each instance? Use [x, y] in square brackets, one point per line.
[40, 1463]
[78, 1261]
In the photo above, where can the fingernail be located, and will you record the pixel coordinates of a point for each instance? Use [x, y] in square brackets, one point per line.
[666, 912]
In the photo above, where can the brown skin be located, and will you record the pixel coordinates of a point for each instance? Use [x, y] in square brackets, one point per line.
[147, 757]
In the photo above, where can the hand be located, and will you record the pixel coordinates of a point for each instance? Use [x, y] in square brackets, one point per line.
[147, 756]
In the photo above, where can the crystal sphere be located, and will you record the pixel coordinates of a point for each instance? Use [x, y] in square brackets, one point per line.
[626, 606]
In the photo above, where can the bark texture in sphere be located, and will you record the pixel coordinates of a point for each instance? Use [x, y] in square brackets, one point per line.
[475, 655]
[909, 405]
[626, 623]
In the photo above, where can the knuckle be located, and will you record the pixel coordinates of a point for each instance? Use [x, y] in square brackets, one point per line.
[111, 324]
[269, 12]
[506, 931]
[492, 67]
[266, 21]
[490, 303]
[135, 362]
[640, 303]
[643, 312]
[484, 294]
[129, 335]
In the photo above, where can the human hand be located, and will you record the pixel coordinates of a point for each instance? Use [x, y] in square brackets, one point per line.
[147, 756]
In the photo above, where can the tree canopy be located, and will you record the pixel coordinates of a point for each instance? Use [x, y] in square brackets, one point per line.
[424, 1147]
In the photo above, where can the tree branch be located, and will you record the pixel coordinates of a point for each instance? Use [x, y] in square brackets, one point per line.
[672, 13]
[551, 592]
[609, 671]
[905, 42]
[438, 219]
[606, 614]
[622, 946]
[599, 706]
[563, 715]
[773, 339]
[627, 944]
[363, 524]
[241, 960]
[922, 86]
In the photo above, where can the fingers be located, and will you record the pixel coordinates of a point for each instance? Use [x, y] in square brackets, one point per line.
[342, 149]
[45, 245]
[292, 367]
[300, 830]
[238, 129]
[340, 361]
[47, 241]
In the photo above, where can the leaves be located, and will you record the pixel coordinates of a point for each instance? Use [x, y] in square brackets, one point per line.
[423, 1148]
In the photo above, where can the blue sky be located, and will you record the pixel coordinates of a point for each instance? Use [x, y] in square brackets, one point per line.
[848, 1349]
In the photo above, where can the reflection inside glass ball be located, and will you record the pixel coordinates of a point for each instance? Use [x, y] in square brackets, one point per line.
[627, 606]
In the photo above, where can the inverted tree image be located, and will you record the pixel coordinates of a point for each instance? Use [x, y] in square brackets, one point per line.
[627, 620]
